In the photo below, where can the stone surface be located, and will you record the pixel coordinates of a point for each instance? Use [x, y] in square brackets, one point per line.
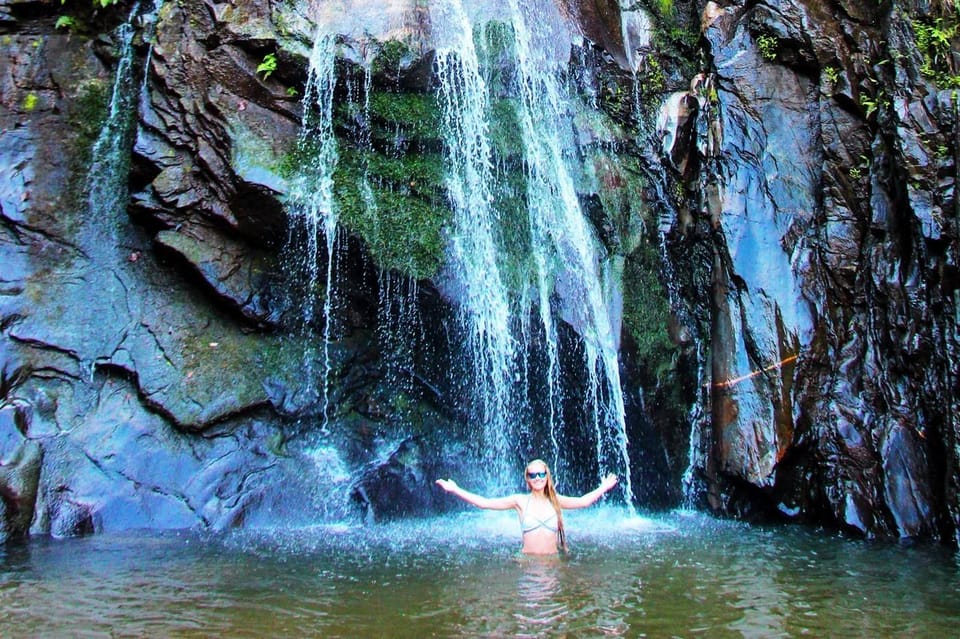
[789, 226]
[826, 215]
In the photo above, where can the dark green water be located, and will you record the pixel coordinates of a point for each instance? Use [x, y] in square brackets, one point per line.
[683, 575]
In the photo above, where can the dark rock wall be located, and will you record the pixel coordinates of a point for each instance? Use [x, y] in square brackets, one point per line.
[827, 197]
[790, 308]
[148, 377]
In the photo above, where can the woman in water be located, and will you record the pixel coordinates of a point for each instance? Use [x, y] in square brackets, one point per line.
[541, 519]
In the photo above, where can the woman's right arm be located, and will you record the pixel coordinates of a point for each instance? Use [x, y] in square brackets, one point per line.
[496, 503]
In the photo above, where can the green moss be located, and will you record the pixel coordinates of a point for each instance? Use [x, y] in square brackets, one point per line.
[415, 114]
[621, 182]
[510, 205]
[505, 128]
[420, 174]
[390, 56]
[494, 38]
[400, 225]
[646, 310]
[86, 114]
[389, 180]
[88, 111]
[302, 154]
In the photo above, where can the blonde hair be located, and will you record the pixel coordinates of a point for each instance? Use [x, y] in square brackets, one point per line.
[550, 492]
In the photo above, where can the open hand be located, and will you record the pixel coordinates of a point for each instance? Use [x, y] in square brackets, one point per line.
[447, 484]
[609, 482]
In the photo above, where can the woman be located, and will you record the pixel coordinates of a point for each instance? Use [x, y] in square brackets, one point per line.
[541, 519]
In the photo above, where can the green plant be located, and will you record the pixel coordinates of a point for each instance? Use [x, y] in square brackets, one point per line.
[935, 37]
[832, 74]
[768, 46]
[664, 7]
[30, 102]
[856, 172]
[679, 191]
[268, 66]
[654, 79]
[292, 92]
[872, 104]
[64, 22]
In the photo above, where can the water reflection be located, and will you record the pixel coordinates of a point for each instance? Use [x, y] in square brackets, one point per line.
[461, 577]
[540, 608]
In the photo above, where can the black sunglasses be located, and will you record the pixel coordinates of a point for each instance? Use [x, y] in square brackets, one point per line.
[541, 475]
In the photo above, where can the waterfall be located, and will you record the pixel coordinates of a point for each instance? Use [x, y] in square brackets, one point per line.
[519, 270]
[564, 254]
[312, 196]
[106, 192]
[485, 310]
[106, 184]
[566, 249]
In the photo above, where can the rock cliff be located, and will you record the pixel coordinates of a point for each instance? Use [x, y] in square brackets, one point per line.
[774, 182]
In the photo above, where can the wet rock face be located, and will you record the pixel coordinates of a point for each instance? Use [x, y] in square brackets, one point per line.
[142, 354]
[402, 486]
[155, 369]
[20, 460]
[832, 219]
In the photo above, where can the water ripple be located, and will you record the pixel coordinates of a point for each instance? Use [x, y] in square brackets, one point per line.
[461, 576]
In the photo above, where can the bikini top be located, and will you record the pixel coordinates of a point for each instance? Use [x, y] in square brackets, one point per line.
[530, 522]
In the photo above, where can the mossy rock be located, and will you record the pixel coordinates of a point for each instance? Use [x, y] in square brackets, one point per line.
[395, 206]
[415, 115]
[646, 310]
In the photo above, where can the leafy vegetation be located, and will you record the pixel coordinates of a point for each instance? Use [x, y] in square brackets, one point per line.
[768, 44]
[871, 104]
[832, 74]
[935, 41]
[268, 65]
[30, 102]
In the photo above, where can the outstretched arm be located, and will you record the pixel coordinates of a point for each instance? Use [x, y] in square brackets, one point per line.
[590, 498]
[496, 503]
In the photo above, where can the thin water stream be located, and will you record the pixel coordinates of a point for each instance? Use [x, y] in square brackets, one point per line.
[679, 574]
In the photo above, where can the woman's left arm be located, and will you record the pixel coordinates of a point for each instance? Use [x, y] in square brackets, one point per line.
[590, 498]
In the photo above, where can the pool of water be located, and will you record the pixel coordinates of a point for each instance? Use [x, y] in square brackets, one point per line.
[679, 574]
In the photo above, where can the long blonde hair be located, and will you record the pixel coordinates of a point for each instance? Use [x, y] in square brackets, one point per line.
[550, 492]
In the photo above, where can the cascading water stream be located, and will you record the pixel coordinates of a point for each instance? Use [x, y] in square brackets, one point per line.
[485, 311]
[105, 193]
[566, 256]
[563, 250]
[315, 211]
[107, 189]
